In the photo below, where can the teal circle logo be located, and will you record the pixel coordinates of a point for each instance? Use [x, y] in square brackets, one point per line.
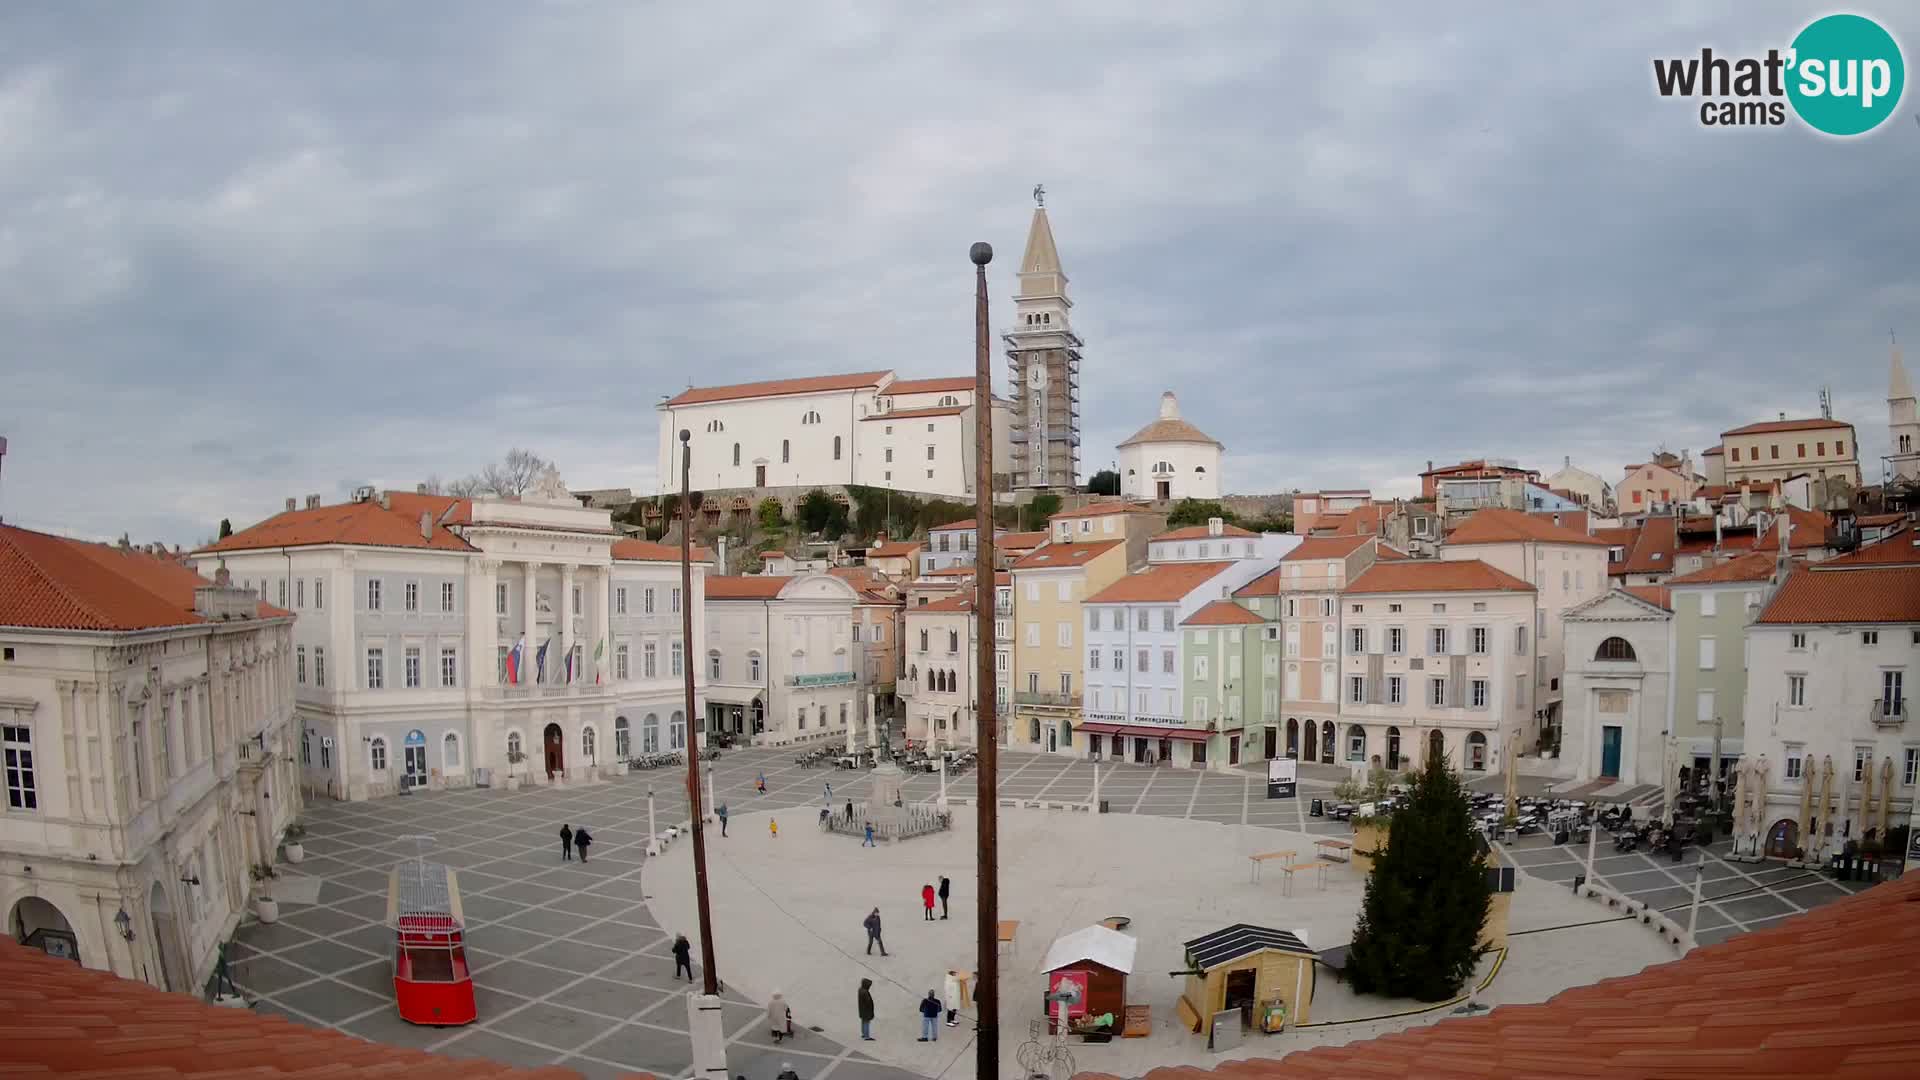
[1845, 75]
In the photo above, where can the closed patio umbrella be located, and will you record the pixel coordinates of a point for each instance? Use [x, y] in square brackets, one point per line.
[1807, 780]
[1886, 796]
[1826, 803]
[1866, 798]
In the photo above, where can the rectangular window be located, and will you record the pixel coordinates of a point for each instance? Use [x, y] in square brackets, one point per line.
[1356, 746]
[1910, 771]
[1892, 691]
[410, 594]
[1093, 619]
[1840, 447]
[1326, 607]
[1707, 605]
[1438, 641]
[1356, 689]
[1033, 634]
[1869, 637]
[283, 592]
[1520, 641]
[411, 659]
[619, 600]
[1396, 690]
[1479, 641]
[673, 601]
[1439, 695]
[1143, 620]
[1291, 611]
[1358, 639]
[449, 666]
[646, 602]
[1707, 652]
[649, 660]
[373, 594]
[1166, 620]
[1796, 762]
[138, 732]
[500, 598]
[676, 659]
[1063, 633]
[1797, 691]
[1862, 761]
[1119, 619]
[376, 668]
[1703, 708]
[1066, 682]
[1797, 640]
[1063, 591]
[1000, 664]
[1396, 640]
[1166, 662]
[23, 791]
[446, 596]
[300, 664]
[300, 592]
[1199, 667]
[319, 665]
[1732, 450]
[1093, 659]
[623, 662]
[1773, 451]
[1479, 687]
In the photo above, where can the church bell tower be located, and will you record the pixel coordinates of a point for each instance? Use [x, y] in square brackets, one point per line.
[1043, 366]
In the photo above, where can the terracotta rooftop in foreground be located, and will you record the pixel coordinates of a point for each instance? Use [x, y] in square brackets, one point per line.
[52, 583]
[1657, 595]
[1880, 594]
[1435, 575]
[1896, 549]
[1753, 566]
[817, 384]
[61, 1019]
[1159, 583]
[745, 586]
[1057, 555]
[1496, 526]
[1830, 993]
[899, 549]
[1222, 613]
[362, 524]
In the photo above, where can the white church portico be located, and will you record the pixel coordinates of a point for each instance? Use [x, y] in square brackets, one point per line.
[444, 642]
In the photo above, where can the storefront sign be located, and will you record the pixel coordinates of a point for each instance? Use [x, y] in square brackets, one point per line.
[1282, 776]
[831, 678]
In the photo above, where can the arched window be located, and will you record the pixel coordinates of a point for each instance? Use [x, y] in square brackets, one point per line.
[1477, 752]
[588, 743]
[713, 664]
[836, 448]
[1356, 743]
[923, 639]
[450, 751]
[650, 734]
[513, 745]
[753, 667]
[622, 738]
[1614, 648]
[377, 754]
[1293, 738]
[677, 731]
[1066, 733]
[786, 451]
[953, 641]
[1033, 730]
[1200, 468]
[736, 454]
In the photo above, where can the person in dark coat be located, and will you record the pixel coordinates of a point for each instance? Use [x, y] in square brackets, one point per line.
[682, 956]
[580, 841]
[873, 933]
[865, 1002]
[930, 1018]
[721, 813]
[946, 887]
[926, 900]
[566, 843]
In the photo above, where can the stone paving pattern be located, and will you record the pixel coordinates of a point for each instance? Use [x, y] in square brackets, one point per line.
[572, 969]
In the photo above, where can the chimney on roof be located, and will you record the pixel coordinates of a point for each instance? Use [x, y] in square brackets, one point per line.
[291, 503]
[722, 568]
[385, 503]
[1783, 416]
[222, 576]
[426, 525]
[1429, 464]
[1215, 526]
[313, 502]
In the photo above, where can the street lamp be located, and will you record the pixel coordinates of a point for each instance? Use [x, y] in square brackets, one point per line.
[123, 923]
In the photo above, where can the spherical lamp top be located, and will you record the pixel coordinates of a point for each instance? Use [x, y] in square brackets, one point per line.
[981, 253]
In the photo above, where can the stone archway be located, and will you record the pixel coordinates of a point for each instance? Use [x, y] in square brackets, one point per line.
[1293, 738]
[37, 924]
[166, 939]
[1312, 747]
[553, 745]
[1436, 745]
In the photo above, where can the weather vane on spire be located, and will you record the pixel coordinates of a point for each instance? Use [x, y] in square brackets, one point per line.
[1040, 195]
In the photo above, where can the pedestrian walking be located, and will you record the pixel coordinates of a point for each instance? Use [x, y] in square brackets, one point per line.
[773, 828]
[869, 840]
[779, 1017]
[865, 1004]
[760, 783]
[952, 990]
[946, 887]
[786, 1072]
[566, 843]
[829, 793]
[582, 838]
[930, 1018]
[926, 900]
[849, 809]
[873, 933]
[721, 813]
[682, 956]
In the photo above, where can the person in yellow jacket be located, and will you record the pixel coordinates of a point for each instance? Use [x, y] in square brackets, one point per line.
[773, 828]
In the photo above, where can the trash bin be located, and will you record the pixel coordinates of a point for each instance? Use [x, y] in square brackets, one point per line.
[482, 776]
[1318, 809]
[1579, 880]
[1103, 806]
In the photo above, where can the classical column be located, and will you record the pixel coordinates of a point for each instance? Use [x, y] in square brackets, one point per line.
[566, 622]
[530, 621]
[483, 633]
[606, 625]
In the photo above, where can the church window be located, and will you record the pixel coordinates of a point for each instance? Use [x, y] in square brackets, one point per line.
[836, 448]
[1199, 468]
[736, 454]
[786, 451]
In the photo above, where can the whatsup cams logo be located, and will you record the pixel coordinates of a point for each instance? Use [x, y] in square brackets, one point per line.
[1842, 75]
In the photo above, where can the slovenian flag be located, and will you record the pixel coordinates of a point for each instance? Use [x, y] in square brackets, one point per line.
[598, 650]
[540, 662]
[570, 666]
[515, 657]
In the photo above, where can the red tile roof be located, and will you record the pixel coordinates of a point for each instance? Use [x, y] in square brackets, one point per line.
[1712, 451]
[64, 1020]
[1057, 555]
[1786, 425]
[647, 551]
[1159, 583]
[1267, 584]
[915, 414]
[952, 526]
[1326, 547]
[1020, 541]
[1200, 532]
[954, 385]
[745, 586]
[1896, 549]
[1753, 566]
[1653, 550]
[1829, 993]
[1100, 509]
[1479, 465]
[1657, 595]
[950, 571]
[817, 384]
[947, 604]
[1435, 575]
[1497, 526]
[1568, 519]
[53, 583]
[1221, 613]
[899, 549]
[1881, 594]
[363, 524]
[1388, 553]
[1809, 530]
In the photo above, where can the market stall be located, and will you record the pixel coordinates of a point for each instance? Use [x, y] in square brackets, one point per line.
[1265, 975]
[1097, 961]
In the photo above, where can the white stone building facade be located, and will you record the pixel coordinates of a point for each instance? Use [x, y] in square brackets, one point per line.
[1618, 687]
[784, 654]
[1170, 459]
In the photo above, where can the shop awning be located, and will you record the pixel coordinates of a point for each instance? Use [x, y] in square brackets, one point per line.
[1142, 731]
[1101, 729]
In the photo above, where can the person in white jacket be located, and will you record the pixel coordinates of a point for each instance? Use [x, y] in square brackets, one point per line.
[953, 996]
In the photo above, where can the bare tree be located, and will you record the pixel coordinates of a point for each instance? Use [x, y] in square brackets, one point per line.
[465, 487]
[507, 478]
[433, 485]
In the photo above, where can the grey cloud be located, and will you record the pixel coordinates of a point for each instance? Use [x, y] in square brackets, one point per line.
[252, 247]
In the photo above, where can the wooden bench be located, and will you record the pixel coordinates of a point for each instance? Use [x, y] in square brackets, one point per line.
[1319, 867]
[1268, 856]
[1139, 1023]
[1009, 930]
[1333, 850]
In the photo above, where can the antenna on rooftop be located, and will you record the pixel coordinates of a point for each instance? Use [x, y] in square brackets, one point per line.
[1826, 403]
[3, 456]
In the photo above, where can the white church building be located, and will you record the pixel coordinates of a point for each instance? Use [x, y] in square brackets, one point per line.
[1170, 459]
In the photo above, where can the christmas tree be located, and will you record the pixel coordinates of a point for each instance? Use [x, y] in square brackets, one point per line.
[1427, 898]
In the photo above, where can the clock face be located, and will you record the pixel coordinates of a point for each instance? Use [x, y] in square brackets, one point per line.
[1037, 376]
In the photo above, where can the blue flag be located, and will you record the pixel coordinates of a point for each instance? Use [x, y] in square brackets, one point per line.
[540, 662]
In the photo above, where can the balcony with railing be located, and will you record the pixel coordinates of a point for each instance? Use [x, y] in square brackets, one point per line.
[543, 691]
[1888, 713]
[1047, 698]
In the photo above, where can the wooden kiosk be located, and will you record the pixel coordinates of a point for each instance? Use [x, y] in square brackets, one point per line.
[1265, 974]
[1097, 961]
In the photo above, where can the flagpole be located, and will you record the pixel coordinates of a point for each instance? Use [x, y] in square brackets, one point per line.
[987, 732]
[708, 970]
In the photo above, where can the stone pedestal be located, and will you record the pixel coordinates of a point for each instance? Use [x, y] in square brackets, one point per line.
[709, 1037]
[884, 803]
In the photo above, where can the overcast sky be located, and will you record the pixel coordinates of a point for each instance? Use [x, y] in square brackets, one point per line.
[259, 250]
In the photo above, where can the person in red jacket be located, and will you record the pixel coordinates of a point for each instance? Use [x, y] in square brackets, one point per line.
[926, 900]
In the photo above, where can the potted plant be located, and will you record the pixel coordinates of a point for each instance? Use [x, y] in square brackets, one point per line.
[296, 851]
[264, 905]
[514, 757]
